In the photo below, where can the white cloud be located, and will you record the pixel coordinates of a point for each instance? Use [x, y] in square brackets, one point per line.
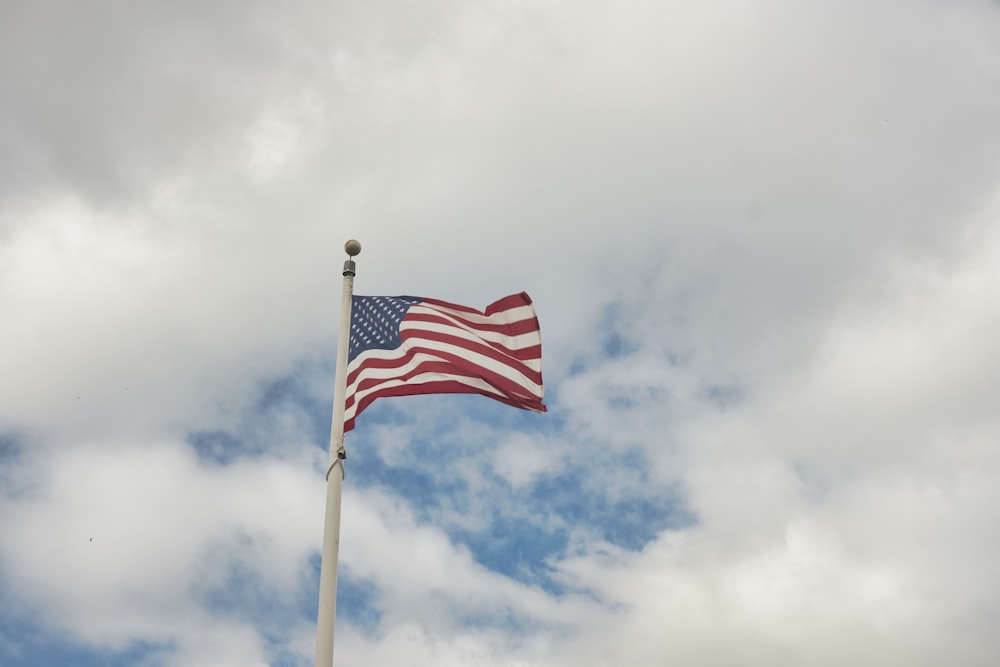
[117, 542]
[851, 500]
[421, 576]
[520, 459]
[761, 242]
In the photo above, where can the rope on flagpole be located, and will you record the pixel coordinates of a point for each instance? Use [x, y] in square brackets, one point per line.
[343, 473]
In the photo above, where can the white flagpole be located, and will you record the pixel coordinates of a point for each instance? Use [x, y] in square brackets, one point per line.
[327, 613]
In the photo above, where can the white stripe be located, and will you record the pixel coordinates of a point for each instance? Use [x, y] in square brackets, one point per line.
[415, 359]
[519, 342]
[497, 336]
[406, 347]
[533, 364]
[424, 378]
[515, 314]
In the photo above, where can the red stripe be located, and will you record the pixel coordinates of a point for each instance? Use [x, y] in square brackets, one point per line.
[517, 328]
[446, 304]
[508, 302]
[448, 364]
[505, 303]
[527, 401]
[530, 354]
[419, 332]
[438, 387]
[512, 358]
[503, 355]
[499, 306]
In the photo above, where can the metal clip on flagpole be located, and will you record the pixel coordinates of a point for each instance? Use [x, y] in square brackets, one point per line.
[334, 483]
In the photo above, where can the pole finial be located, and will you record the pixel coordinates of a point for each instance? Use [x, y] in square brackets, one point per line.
[352, 247]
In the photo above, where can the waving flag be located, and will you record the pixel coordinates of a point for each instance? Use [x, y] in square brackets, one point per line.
[404, 345]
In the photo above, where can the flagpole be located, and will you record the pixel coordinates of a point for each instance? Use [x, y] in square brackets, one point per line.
[327, 613]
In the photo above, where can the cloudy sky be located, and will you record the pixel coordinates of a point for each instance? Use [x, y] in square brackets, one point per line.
[763, 239]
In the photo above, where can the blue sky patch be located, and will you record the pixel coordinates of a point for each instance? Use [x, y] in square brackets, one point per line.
[614, 340]
[10, 455]
[357, 601]
[629, 521]
[289, 396]
[422, 489]
[218, 447]
[24, 644]
[518, 548]
[724, 397]
[357, 598]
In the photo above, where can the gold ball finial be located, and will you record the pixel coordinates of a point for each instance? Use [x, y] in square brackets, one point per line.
[352, 247]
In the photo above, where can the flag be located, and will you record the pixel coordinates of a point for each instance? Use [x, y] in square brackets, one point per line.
[405, 345]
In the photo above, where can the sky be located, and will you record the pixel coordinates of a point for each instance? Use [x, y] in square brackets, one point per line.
[763, 240]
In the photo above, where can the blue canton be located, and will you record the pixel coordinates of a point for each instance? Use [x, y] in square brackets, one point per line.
[375, 322]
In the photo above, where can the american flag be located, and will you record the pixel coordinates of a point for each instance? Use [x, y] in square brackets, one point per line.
[404, 345]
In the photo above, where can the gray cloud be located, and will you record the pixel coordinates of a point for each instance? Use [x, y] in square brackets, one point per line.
[760, 237]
